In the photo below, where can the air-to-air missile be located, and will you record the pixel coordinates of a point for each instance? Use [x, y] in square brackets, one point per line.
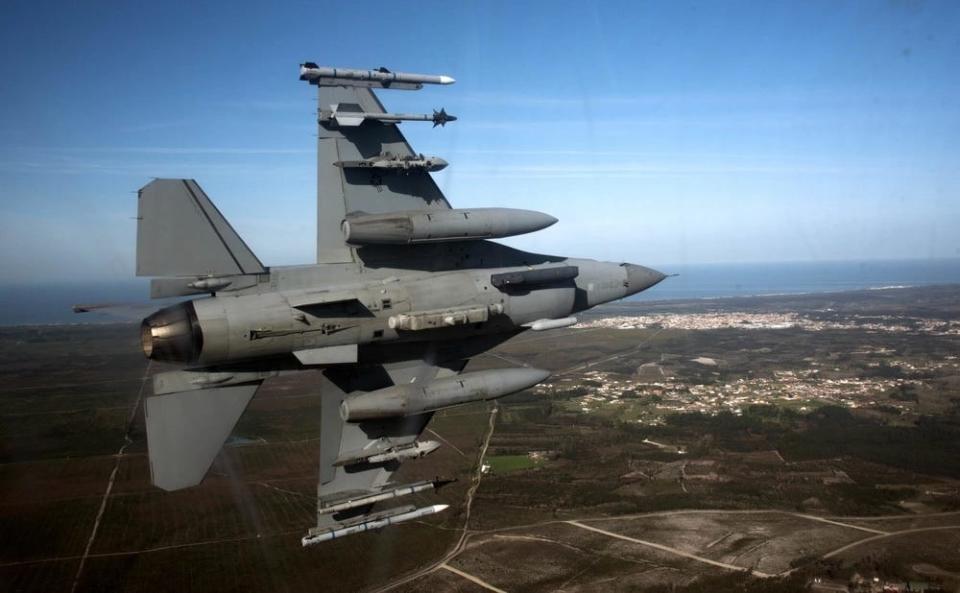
[351, 502]
[371, 522]
[404, 293]
[348, 115]
[380, 78]
[387, 161]
[409, 399]
[419, 226]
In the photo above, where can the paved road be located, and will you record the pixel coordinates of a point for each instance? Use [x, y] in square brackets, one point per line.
[464, 532]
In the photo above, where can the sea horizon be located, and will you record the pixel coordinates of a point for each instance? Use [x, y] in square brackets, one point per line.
[51, 303]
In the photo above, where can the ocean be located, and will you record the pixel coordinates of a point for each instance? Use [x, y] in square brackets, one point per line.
[51, 303]
[701, 281]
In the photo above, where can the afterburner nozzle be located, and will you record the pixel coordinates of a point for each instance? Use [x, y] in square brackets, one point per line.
[172, 334]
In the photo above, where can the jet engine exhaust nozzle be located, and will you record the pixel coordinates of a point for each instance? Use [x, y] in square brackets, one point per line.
[172, 334]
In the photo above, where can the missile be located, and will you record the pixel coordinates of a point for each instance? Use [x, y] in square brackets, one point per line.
[416, 398]
[351, 503]
[351, 119]
[379, 78]
[377, 521]
[411, 451]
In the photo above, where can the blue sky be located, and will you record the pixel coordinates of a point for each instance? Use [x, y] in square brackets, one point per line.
[657, 132]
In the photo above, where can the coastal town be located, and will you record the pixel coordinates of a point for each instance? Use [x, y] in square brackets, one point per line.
[649, 402]
[666, 381]
[824, 320]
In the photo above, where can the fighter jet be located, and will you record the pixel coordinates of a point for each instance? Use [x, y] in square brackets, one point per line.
[405, 290]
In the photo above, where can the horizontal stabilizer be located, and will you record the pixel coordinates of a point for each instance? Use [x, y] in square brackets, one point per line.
[186, 430]
[181, 233]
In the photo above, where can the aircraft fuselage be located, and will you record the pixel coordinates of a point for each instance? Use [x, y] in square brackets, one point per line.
[375, 309]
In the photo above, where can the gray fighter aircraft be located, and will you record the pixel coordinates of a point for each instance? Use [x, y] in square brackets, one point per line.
[405, 291]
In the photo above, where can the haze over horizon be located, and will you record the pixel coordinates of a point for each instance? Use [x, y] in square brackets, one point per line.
[663, 132]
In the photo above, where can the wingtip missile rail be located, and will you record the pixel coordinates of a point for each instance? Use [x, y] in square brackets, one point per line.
[378, 78]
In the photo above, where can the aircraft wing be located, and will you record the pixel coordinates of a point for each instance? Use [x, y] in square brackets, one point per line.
[343, 190]
[357, 459]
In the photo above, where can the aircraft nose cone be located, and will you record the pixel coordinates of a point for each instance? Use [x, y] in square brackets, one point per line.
[641, 278]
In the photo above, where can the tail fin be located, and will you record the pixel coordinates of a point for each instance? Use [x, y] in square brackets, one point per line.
[181, 233]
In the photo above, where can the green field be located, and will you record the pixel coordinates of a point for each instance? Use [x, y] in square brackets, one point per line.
[501, 464]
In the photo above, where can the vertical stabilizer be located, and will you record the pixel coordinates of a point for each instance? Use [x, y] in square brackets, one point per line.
[181, 233]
